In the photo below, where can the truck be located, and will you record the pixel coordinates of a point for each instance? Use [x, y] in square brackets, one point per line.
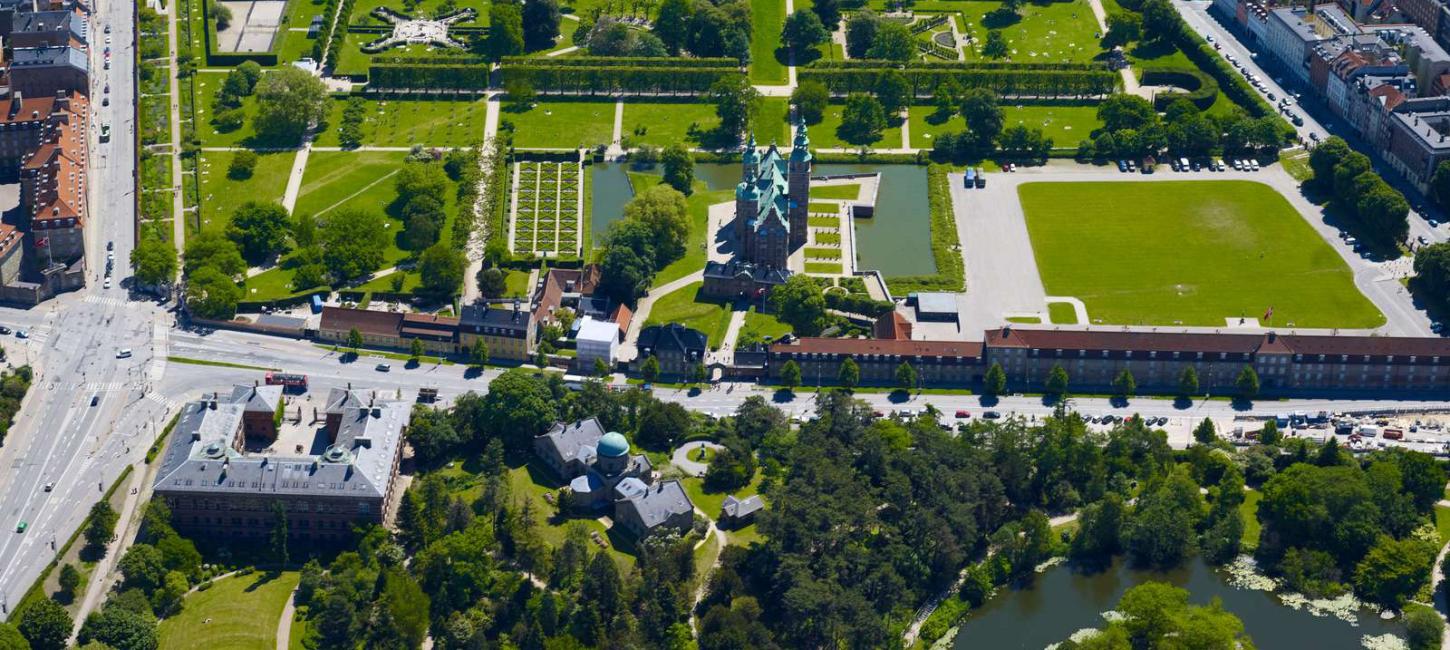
[287, 380]
[427, 395]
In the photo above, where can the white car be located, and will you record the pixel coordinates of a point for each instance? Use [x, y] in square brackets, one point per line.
[123, 353]
[1254, 164]
[107, 283]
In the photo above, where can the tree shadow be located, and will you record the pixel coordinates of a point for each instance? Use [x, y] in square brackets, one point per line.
[988, 400]
[472, 372]
[1241, 404]
[898, 396]
[783, 395]
[1118, 401]
[1182, 403]
[1000, 18]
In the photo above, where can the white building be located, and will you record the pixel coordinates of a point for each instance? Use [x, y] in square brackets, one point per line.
[596, 339]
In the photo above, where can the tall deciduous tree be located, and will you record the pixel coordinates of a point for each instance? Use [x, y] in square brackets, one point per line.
[803, 31]
[850, 374]
[540, 24]
[442, 269]
[505, 31]
[790, 374]
[736, 103]
[153, 260]
[799, 303]
[353, 241]
[995, 381]
[862, 120]
[679, 166]
[810, 99]
[260, 229]
[289, 100]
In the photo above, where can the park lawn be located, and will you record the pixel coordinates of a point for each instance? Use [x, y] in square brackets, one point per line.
[1188, 253]
[299, 632]
[238, 613]
[772, 122]
[516, 283]
[404, 123]
[760, 325]
[1442, 523]
[840, 192]
[710, 502]
[1046, 32]
[767, 17]
[1249, 509]
[221, 196]
[562, 124]
[825, 207]
[1062, 313]
[273, 284]
[664, 124]
[1065, 124]
[687, 307]
[207, 84]
[826, 135]
[699, 205]
[822, 253]
[362, 180]
[829, 268]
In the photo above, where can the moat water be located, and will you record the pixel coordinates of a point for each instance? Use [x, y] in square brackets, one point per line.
[896, 241]
[1063, 600]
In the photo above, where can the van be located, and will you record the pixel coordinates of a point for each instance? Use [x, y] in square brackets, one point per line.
[970, 179]
[123, 353]
[1183, 164]
[981, 178]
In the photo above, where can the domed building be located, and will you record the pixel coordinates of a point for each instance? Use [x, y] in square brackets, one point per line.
[602, 472]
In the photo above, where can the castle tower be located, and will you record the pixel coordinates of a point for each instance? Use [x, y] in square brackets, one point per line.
[798, 177]
[747, 195]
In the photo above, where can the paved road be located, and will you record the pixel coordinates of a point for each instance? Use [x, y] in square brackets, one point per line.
[1317, 120]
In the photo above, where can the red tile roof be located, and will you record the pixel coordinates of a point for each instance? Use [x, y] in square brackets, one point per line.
[853, 347]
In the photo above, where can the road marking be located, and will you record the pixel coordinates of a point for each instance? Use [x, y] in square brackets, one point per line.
[106, 300]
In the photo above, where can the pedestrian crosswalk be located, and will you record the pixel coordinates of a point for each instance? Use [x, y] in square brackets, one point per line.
[106, 300]
[101, 386]
[169, 404]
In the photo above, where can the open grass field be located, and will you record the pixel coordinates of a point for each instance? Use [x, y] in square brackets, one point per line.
[1249, 509]
[1190, 253]
[710, 502]
[207, 84]
[404, 123]
[664, 124]
[1066, 125]
[221, 196]
[1061, 313]
[837, 192]
[360, 179]
[236, 613]
[1044, 32]
[767, 17]
[758, 326]
[686, 307]
[562, 124]
[772, 123]
[827, 135]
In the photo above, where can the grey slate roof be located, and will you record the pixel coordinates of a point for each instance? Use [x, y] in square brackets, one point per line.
[32, 57]
[49, 21]
[659, 503]
[481, 317]
[257, 399]
[200, 457]
[672, 338]
[737, 508]
[575, 440]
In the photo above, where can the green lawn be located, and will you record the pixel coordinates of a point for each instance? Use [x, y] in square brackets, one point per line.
[562, 124]
[360, 179]
[767, 17]
[1061, 313]
[1250, 509]
[841, 192]
[220, 196]
[662, 125]
[404, 123]
[823, 207]
[710, 502]
[1188, 252]
[823, 267]
[1066, 125]
[686, 307]
[826, 135]
[1442, 523]
[758, 326]
[1046, 32]
[772, 123]
[239, 613]
[699, 204]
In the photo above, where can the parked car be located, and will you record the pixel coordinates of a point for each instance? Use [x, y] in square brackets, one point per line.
[1122, 166]
[123, 353]
[4, 330]
[961, 415]
[991, 415]
[1254, 164]
[383, 367]
[22, 334]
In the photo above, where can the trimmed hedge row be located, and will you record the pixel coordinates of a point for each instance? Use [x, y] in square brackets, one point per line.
[956, 65]
[457, 59]
[429, 77]
[621, 62]
[1203, 89]
[606, 80]
[1006, 83]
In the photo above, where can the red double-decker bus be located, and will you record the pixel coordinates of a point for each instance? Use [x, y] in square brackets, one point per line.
[287, 379]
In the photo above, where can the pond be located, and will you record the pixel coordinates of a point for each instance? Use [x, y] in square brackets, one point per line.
[1062, 601]
[609, 191]
[891, 242]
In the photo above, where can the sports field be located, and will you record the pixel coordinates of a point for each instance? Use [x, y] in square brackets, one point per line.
[1189, 253]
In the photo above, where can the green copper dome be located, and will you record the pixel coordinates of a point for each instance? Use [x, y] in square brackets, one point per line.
[613, 445]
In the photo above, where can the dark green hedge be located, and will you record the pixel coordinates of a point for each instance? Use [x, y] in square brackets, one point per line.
[1203, 89]
[570, 79]
[429, 77]
[620, 62]
[1005, 82]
